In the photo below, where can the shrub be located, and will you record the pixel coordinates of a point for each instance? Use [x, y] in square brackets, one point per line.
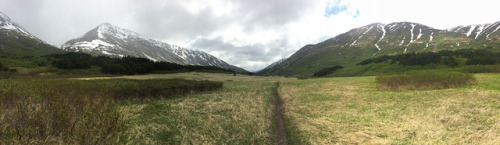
[327, 71]
[481, 69]
[424, 80]
[146, 89]
[56, 112]
[486, 60]
[36, 111]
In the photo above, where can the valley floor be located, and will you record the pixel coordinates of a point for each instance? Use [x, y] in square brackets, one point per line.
[351, 111]
[317, 111]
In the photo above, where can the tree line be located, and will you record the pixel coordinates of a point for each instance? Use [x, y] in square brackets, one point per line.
[445, 57]
[127, 65]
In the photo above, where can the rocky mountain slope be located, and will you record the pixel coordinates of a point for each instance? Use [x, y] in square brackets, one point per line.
[114, 41]
[377, 39]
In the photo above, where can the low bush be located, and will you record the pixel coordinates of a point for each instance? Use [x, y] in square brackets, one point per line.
[34, 111]
[327, 71]
[481, 69]
[146, 89]
[424, 80]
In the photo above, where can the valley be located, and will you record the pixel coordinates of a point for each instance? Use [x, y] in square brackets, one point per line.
[395, 83]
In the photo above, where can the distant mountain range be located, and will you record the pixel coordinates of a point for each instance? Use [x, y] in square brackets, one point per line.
[377, 39]
[345, 49]
[114, 41]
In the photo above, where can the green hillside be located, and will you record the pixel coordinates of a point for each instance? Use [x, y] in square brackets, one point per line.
[17, 50]
[375, 40]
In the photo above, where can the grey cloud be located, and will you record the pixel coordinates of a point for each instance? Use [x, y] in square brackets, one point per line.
[57, 21]
[241, 55]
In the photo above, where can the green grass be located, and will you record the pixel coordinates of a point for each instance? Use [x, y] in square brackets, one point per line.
[351, 110]
[239, 113]
[424, 80]
[36, 111]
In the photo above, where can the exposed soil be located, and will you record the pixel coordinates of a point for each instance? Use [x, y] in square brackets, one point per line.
[278, 114]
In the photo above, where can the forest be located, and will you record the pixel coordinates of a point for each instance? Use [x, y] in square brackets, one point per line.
[127, 65]
[445, 57]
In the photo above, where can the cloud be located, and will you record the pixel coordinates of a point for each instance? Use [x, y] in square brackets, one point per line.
[250, 56]
[246, 33]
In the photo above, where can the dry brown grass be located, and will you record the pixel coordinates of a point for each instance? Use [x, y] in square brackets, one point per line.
[240, 113]
[56, 112]
[352, 111]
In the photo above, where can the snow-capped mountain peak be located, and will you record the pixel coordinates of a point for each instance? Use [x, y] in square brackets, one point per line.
[108, 29]
[7, 24]
[114, 41]
[478, 31]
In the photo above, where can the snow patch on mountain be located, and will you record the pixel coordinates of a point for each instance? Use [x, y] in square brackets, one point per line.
[94, 44]
[411, 32]
[480, 31]
[361, 35]
[382, 28]
[470, 30]
[7, 24]
[430, 38]
[493, 32]
[419, 34]
[403, 41]
[149, 57]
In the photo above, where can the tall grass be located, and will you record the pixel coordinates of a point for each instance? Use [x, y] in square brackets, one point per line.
[157, 88]
[424, 80]
[34, 111]
[56, 112]
[481, 69]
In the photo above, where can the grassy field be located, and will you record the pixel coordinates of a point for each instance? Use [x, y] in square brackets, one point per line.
[349, 110]
[240, 113]
[352, 111]
[56, 111]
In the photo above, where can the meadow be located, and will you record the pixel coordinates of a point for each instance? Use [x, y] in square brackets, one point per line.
[37, 111]
[351, 110]
[239, 110]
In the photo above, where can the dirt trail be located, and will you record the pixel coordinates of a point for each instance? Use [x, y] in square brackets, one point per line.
[278, 114]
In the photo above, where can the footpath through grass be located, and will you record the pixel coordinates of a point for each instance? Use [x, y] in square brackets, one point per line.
[352, 111]
[239, 113]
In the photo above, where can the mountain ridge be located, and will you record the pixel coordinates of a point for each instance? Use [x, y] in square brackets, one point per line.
[379, 39]
[110, 40]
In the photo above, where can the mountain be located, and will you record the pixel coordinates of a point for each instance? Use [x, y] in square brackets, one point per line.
[377, 39]
[479, 32]
[114, 41]
[271, 65]
[16, 43]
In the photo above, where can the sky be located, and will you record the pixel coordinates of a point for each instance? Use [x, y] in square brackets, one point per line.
[247, 33]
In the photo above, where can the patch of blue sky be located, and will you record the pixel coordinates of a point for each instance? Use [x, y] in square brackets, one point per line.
[356, 15]
[334, 9]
